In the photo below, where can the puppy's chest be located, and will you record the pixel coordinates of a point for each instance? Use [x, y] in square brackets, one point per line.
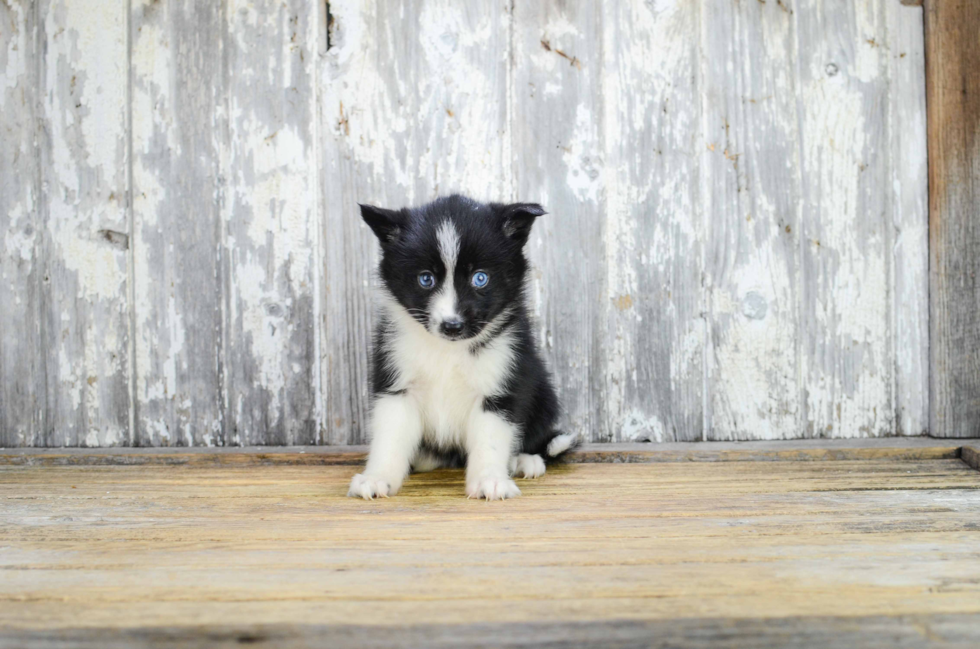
[447, 379]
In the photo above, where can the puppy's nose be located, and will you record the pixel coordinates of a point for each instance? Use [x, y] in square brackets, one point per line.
[452, 327]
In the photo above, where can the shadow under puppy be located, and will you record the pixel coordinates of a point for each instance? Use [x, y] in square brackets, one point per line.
[457, 377]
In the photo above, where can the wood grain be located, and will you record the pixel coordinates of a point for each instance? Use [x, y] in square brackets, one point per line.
[846, 239]
[83, 247]
[244, 546]
[178, 263]
[953, 90]
[649, 370]
[909, 222]
[752, 195]
[801, 632]
[971, 456]
[270, 220]
[22, 376]
[781, 451]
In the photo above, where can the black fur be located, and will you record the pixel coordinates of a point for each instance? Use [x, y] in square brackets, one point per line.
[492, 238]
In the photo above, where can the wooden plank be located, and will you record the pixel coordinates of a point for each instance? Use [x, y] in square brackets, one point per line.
[245, 547]
[846, 234]
[84, 242]
[282, 455]
[273, 483]
[178, 130]
[905, 64]
[558, 161]
[648, 375]
[971, 455]
[813, 454]
[269, 211]
[796, 451]
[413, 105]
[953, 92]
[866, 632]
[21, 372]
[752, 195]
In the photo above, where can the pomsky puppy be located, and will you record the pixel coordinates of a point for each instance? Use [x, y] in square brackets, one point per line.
[457, 377]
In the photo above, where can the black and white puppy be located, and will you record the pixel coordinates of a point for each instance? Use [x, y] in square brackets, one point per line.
[456, 374]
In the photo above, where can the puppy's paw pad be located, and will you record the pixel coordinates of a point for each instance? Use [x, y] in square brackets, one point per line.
[368, 487]
[493, 489]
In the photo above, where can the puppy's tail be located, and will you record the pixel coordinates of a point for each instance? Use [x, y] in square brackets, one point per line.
[561, 444]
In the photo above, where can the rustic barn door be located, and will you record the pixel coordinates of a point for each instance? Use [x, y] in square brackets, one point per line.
[736, 246]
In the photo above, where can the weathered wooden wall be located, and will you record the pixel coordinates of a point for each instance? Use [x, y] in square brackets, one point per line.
[736, 246]
[953, 88]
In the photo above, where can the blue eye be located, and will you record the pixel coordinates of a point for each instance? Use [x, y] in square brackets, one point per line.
[480, 279]
[427, 280]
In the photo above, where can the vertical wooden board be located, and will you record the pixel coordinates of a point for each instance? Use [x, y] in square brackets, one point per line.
[21, 372]
[908, 192]
[953, 94]
[270, 219]
[85, 242]
[413, 104]
[651, 341]
[846, 241]
[559, 162]
[752, 192]
[177, 134]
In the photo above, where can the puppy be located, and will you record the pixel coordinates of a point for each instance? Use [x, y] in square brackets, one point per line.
[457, 377]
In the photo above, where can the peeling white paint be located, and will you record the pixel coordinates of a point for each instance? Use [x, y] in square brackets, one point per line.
[583, 164]
[18, 240]
[909, 216]
[83, 109]
[735, 246]
[100, 269]
[638, 427]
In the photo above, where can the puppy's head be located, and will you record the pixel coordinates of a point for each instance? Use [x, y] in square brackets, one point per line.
[455, 264]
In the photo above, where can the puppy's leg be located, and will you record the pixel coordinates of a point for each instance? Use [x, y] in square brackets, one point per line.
[490, 443]
[529, 466]
[396, 431]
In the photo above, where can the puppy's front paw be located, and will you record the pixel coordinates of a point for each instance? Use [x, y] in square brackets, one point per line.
[369, 487]
[528, 466]
[492, 488]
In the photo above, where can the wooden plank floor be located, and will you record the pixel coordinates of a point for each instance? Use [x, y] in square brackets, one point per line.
[879, 549]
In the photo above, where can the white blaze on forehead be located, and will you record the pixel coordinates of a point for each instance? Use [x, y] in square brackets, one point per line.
[448, 245]
[443, 306]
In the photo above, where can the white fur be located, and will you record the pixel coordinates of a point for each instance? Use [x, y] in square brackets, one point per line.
[490, 441]
[396, 430]
[561, 443]
[425, 462]
[443, 386]
[443, 377]
[448, 239]
[529, 466]
[443, 306]
[369, 487]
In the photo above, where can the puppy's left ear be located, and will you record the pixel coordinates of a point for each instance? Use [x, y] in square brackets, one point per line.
[517, 219]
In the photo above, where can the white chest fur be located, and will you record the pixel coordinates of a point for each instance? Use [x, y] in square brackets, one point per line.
[446, 379]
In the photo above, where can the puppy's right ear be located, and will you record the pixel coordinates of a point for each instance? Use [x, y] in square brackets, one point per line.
[387, 224]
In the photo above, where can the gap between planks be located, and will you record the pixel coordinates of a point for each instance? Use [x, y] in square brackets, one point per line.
[916, 448]
[870, 632]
